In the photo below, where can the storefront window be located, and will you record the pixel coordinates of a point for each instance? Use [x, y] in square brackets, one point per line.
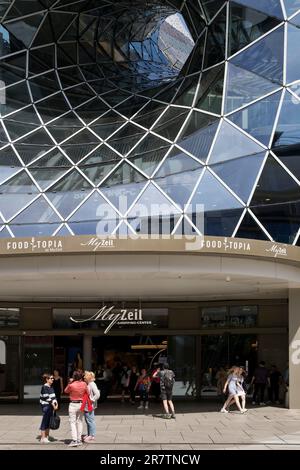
[9, 368]
[9, 317]
[239, 316]
[182, 359]
[37, 361]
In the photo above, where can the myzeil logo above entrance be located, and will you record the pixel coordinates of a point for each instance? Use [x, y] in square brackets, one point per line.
[107, 317]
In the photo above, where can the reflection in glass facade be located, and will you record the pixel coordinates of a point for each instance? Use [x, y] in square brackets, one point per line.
[123, 103]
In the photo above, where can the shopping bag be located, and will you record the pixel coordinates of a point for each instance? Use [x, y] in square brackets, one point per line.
[54, 421]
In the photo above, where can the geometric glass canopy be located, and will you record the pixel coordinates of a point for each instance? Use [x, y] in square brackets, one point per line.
[108, 107]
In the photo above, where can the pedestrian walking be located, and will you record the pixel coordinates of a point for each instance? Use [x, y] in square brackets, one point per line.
[167, 380]
[77, 389]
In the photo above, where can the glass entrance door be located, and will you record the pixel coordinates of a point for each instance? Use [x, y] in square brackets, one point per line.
[220, 352]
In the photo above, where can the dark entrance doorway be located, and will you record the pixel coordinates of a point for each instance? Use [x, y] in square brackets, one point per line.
[222, 352]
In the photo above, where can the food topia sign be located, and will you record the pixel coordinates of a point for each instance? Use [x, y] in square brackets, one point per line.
[144, 244]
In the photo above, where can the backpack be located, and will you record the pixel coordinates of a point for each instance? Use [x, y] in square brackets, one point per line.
[168, 379]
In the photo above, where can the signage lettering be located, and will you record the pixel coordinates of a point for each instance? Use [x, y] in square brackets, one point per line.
[277, 250]
[106, 313]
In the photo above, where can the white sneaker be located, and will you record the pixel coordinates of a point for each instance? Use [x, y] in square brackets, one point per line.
[140, 407]
[223, 410]
[146, 407]
[45, 440]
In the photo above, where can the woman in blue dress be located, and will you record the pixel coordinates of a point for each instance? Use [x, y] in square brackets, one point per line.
[235, 390]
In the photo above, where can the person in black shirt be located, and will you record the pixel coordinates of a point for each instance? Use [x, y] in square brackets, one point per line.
[58, 386]
[275, 378]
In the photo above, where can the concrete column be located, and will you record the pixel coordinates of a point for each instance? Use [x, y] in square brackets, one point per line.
[294, 348]
[87, 352]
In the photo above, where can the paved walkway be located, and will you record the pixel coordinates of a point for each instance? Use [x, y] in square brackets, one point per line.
[122, 426]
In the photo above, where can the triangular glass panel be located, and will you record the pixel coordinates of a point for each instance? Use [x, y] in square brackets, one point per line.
[153, 213]
[97, 165]
[126, 138]
[9, 163]
[185, 228]
[80, 94]
[52, 107]
[24, 8]
[94, 217]
[149, 153]
[240, 174]
[13, 69]
[26, 116]
[67, 55]
[25, 29]
[231, 144]
[216, 40]
[71, 32]
[187, 91]
[5, 233]
[287, 134]
[3, 136]
[63, 232]
[64, 127]
[178, 176]
[16, 193]
[293, 59]
[123, 186]
[34, 230]
[45, 176]
[265, 57]
[60, 22]
[131, 106]
[280, 220]
[41, 59]
[38, 212]
[219, 208]
[68, 192]
[107, 124]
[210, 94]
[296, 19]
[18, 129]
[259, 118]
[91, 110]
[45, 34]
[243, 87]
[149, 114]
[16, 96]
[275, 186]
[43, 85]
[291, 6]
[270, 7]
[211, 7]
[250, 229]
[198, 135]
[248, 25]
[170, 123]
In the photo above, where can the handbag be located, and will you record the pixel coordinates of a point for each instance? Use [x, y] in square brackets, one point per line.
[54, 421]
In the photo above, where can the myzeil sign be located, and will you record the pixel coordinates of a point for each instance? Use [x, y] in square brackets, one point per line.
[108, 317]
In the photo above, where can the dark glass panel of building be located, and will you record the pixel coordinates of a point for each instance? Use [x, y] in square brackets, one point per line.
[249, 228]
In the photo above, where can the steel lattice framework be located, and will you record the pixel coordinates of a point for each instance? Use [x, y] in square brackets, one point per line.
[180, 103]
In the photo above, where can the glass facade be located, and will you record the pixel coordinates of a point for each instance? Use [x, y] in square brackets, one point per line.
[110, 107]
